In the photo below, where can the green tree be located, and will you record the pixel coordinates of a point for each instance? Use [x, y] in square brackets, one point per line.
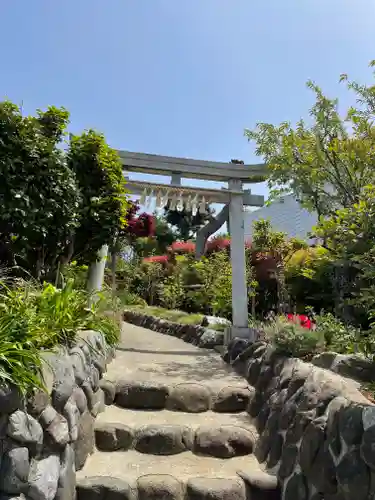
[172, 290]
[185, 223]
[158, 243]
[276, 245]
[327, 162]
[349, 235]
[308, 277]
[99, 174]
[164, 235]
[39, 197]
[328, 165]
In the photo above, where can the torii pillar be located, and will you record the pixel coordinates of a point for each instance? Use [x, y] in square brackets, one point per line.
[240, 318]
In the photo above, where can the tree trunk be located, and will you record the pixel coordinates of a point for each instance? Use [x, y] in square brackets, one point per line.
[282, 292]
[39, 265]
[63, 262]
[113, 270]
[253, 306]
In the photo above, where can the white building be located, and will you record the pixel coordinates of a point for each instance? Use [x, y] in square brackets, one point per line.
[286, 215]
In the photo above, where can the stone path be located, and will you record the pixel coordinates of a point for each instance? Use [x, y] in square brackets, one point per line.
[177, 430]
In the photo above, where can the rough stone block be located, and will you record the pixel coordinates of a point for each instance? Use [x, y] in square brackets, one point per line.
[99, 488]
[226, 441]
[10, 399]
[14, 470]
[141, 395]
[160, 440]
[112, 437]
[43, 478]
[84, 445]
[215, 489]
[189, 398]
[232, 400]
[159, 487]
[23, 428]
[109, 390]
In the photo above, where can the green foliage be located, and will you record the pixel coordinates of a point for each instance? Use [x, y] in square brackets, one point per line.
[349, 235]
[350, 231]
[268, 242]
[35, 318]
[325, 164]
[127, 298]
[146, 281]
[292, 339]
[173, 315]
[157, 244]
[308, 277]
[338, 337]
[99, 174]
[172, 289]
[164, 235]
[59, 314]
[221, 290]
[208, 283]
[145, 247]
[77, 274]
[328, 166]
[185, 223]
[39, 196]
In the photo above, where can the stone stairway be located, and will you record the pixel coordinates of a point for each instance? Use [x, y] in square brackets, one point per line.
[175, 427]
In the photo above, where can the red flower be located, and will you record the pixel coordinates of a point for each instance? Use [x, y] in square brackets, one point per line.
[156, 258]
[301, 319]
[182, 247]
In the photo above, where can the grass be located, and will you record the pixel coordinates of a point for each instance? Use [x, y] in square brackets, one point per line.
[35, 318]
[173, 315]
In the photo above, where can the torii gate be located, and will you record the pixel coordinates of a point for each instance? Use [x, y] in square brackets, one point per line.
[234, 199]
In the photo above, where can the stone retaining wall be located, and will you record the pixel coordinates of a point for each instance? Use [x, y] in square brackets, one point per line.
[195, 334]
[347, 365]
[46, 437]
[317, 431]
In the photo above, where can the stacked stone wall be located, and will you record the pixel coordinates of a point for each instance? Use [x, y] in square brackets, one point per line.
[46, 436]
[316, 430]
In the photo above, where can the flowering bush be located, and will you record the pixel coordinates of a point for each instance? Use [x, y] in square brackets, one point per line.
[141, 226]
[302, 320]
[292, 339]
[156, 258]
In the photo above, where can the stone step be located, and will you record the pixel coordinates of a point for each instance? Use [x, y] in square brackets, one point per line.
[189, 397]
[131, 475]
[169, 433]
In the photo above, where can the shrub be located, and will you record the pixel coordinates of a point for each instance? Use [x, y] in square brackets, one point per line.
[292, 339]
[341, 338]
[35, 317]
[130, 299]
[77, 273]
[172, 291]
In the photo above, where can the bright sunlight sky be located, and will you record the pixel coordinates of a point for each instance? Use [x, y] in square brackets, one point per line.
[182, 77]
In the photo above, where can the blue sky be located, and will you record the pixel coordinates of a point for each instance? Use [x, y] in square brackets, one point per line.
[181, 78]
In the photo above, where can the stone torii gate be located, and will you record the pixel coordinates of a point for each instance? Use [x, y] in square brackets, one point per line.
[234, 198]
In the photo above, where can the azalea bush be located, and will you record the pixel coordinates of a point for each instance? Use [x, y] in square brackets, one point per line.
[292, 339]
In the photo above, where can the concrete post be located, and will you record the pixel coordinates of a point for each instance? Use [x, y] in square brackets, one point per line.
[176, 179]
[237, 253]
[96, 271]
